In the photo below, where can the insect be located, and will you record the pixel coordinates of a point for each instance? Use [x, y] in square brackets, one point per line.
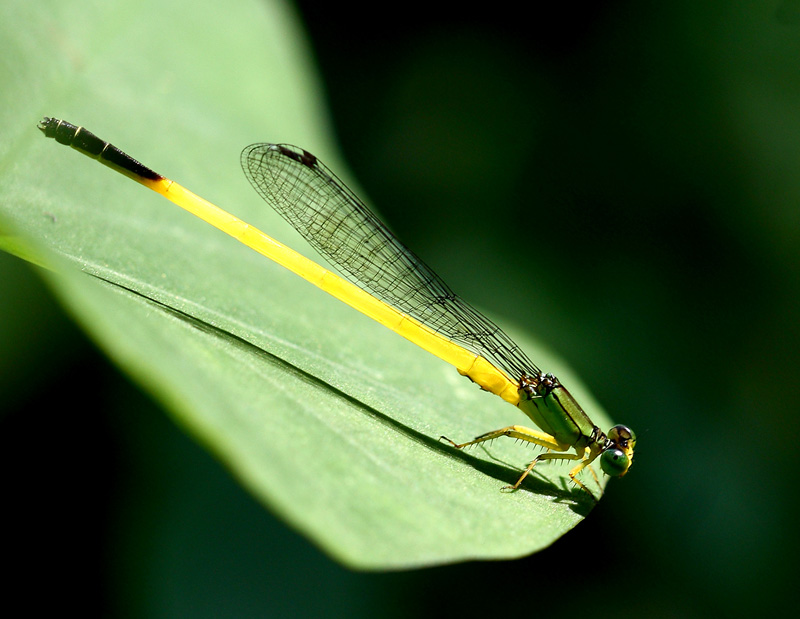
[386, 281]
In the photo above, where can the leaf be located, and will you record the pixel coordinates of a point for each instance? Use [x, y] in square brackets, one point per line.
[330, 420]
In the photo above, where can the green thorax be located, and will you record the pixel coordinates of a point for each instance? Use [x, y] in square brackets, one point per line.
[553, 409]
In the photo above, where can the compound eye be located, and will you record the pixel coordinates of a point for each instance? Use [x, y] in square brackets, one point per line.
[622, 435]
[614, 462]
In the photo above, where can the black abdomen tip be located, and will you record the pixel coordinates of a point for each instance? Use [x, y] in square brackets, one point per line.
[88, 143]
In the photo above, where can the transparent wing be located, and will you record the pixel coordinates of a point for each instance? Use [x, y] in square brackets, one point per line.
[342, 229]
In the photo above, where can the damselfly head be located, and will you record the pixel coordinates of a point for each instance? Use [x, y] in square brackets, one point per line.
[618, 455]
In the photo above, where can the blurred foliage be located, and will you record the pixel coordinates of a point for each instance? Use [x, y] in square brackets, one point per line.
[652, 152]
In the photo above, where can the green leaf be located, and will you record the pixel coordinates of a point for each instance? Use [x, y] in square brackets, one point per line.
[330, 420]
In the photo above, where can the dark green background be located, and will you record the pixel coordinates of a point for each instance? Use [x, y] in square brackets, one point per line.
[650, 153]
